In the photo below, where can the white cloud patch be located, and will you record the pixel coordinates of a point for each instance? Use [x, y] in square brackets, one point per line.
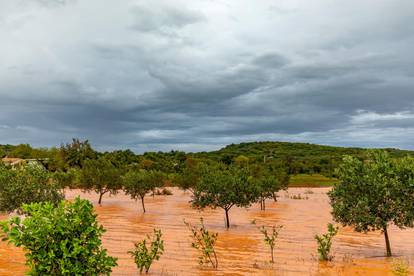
[365, 117]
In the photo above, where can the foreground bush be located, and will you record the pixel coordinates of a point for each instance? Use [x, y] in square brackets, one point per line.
[144, 256]
[62, 240]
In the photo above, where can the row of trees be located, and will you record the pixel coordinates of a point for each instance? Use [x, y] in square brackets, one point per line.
[212, 184]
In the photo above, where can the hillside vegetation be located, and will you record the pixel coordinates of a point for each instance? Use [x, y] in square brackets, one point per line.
[306, 163]
[302, 158]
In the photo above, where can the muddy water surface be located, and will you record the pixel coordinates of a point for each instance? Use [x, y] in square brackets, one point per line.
[241, 249]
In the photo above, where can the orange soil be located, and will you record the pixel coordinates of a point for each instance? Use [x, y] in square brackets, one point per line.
[241, 250]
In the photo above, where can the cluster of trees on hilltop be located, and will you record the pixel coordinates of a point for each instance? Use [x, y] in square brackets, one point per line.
[299, 157]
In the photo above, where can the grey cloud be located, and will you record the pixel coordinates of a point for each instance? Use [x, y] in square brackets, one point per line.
[186, 75]
[164, 17]
[271, 60]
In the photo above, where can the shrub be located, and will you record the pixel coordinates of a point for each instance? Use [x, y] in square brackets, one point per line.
[299, 197]
[27, 185]
[204, 241]
[400, 268]
[144, 256]
[270, 238]
[60, 240]
[308, 192]
[163, 191]
[325, 243]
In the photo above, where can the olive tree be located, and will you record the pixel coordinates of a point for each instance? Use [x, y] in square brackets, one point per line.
[268, 182]
[68, 179]
[60, 240]
[224, 187]
[26, 185]
[186, 179]
[139, 183]
[373, 193]
[101, 176]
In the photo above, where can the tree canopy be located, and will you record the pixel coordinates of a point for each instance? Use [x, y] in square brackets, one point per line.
[101, 176]
[224, 187]
[373, 193]
[138, 183]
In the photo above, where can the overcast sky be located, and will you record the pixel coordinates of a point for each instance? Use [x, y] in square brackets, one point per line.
[197, 75]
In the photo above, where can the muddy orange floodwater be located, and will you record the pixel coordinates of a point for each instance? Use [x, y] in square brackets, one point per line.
[241, 250]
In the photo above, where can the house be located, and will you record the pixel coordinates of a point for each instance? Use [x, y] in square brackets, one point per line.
[19, 162]
[13, 162]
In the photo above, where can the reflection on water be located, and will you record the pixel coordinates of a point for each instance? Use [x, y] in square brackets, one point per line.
[241, 250]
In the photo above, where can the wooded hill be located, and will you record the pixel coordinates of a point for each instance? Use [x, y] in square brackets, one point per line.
[300, 158]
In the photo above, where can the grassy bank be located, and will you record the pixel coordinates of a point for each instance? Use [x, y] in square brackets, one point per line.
[314, 180]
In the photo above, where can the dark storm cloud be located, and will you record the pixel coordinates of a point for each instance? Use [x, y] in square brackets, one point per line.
[197, 75]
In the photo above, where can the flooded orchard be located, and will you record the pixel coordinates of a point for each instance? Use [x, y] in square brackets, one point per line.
[241, 250]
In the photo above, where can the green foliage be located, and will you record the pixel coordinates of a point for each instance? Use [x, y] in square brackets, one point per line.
[314, 180]
[74, 154]
[400, 268]
[325, 243]
[25, 151]
[101, 176]
[298, 158]
[224, 187]
[121, 158]
[268, 181]
[144, 256]
[203, 241]
[69, 179]
[242, 160]
[189, 175]
[139, 183]
[270, 238]
[373, 193]
[60, 240]
[26, 185]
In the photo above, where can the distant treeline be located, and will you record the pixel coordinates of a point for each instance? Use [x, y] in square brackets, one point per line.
[296, 157]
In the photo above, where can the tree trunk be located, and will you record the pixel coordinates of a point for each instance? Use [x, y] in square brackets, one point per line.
[274, 197]
[100, 198]
[227, 218]
[271, 253]
[264, 204]
[143, 205]
[387, 241]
